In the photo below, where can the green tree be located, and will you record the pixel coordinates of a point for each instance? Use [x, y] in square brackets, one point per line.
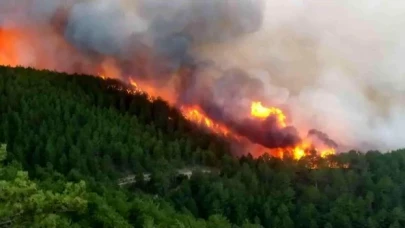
[23, 203]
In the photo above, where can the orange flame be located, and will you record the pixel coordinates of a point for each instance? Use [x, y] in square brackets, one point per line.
[300, 150]
[133, 83]
[196, 115]
[259, 111]
[8, 51]
[304, 149]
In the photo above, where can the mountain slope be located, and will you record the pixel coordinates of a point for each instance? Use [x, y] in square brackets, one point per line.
[67, 128]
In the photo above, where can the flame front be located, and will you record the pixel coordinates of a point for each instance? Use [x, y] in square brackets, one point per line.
[196, 115]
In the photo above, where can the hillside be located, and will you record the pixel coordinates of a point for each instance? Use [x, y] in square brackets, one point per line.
[81, 129]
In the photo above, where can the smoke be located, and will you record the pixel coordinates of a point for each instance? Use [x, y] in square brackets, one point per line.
[339, 62]
[334, 66]
[322, 137]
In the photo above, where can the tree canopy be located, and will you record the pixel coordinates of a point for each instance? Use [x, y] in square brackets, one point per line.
[72, 138]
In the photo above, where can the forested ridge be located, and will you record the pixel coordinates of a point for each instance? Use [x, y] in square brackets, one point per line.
[76, 136]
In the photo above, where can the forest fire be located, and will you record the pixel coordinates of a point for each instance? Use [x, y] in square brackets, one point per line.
[195, 114]
[164, 68]
[300, 150]
[257, 112]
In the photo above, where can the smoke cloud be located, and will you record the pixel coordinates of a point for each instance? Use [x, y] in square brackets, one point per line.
[333, 66]
[336, 65]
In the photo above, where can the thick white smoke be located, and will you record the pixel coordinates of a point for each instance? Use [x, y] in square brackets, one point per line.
[340, 61]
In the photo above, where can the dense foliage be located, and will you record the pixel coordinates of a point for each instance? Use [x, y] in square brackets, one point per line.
[79, 129]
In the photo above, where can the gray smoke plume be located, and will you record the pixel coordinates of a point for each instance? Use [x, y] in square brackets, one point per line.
[337, 65]
[333, 66]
